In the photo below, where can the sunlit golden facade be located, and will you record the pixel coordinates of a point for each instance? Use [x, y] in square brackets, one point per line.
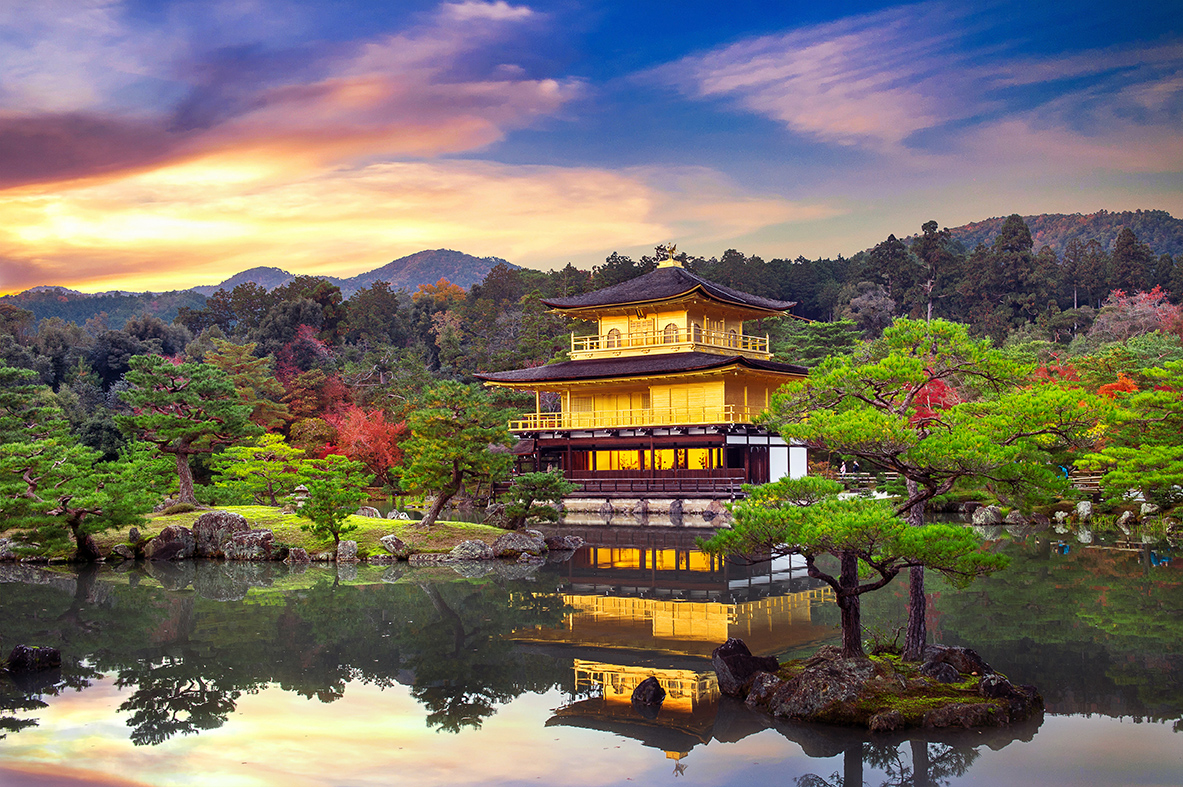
[666, 389]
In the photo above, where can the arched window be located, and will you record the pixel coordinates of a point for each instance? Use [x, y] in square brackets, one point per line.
[671, 334]
[614, 337]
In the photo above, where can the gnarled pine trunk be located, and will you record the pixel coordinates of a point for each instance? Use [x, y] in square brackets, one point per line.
[848, 607]
[916, 635]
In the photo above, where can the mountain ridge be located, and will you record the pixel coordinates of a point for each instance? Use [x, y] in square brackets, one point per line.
[409, 272]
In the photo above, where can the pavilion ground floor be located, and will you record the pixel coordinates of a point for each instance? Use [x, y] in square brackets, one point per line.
[701, 463]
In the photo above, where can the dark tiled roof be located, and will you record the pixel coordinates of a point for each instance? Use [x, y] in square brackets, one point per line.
[634, 366]
[662, 284]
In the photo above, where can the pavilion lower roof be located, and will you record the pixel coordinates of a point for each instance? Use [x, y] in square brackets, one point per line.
[635, 366]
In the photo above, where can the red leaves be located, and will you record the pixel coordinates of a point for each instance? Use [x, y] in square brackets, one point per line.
[366, 436]
[1122, 385]
[935, 395]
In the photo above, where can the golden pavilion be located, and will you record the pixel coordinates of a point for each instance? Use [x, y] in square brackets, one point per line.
[660, 402]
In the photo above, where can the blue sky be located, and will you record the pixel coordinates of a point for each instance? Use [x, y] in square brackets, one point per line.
[157, 144]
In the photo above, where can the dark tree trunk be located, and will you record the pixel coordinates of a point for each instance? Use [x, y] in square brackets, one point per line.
[920, 763]
[445, 495]
[436, 507]
[916, 635]
[848, 606]
[185, 475]
[86, 550]
[852, 766]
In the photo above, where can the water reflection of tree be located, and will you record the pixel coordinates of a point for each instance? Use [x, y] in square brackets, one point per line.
[1095, 627]
[169, 700]
[74, 613]
[186, 660]
[929, 764]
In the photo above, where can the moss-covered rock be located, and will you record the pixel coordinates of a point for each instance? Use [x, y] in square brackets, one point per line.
[884, 693]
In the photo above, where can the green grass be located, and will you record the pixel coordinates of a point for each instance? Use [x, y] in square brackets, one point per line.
[439, 538]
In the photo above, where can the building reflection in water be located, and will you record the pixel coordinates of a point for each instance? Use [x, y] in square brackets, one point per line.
[659, 609]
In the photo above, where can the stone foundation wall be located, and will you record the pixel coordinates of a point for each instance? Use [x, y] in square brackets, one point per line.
[653, 512]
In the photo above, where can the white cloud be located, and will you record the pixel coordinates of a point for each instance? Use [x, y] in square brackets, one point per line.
[497, 11]
[876, 80]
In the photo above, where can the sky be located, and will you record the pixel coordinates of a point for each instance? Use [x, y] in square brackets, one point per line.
[157, 144]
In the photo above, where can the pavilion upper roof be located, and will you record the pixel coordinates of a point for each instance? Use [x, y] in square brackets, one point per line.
[664, 284]
[638, 366]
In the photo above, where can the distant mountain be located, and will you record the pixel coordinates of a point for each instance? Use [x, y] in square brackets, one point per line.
[426, 267]
[423, 267]
[1156, 228]
[267, 278]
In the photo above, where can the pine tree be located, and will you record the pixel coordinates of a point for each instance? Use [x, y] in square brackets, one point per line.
[184, 410]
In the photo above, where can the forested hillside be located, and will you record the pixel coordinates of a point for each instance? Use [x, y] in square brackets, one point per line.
[116, 308]
[1156, 228]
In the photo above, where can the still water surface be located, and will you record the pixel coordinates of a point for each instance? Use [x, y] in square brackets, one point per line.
[209, 673]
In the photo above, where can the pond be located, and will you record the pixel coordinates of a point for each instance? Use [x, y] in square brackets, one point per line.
[212, 673]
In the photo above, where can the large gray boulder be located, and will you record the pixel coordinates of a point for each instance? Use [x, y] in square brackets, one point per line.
[213, 528]
[347, 552]
[736, 667]
[173, 543]
[828, 681]
[395, 546]
[297, 555]
[472, 550]
[368, 511]
[987, 515]
[514, 544]
[1084, 511]
[564, 543]
[254, 545]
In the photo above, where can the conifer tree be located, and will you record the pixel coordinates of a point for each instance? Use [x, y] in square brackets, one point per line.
[929, 403]
[184, 410]
[451, 434]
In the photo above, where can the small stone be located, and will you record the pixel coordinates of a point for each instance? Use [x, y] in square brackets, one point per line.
[735, 666]
[1149, 509]
[886, 721]
[123, 552]
[1015, 517]
[26, 659]
[649, 692]
[251, 545]
[297, 555]
[940, 672]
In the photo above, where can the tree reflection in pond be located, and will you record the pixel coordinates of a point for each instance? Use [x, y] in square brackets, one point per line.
[187, 660]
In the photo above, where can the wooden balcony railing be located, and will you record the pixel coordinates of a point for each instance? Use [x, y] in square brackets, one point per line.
[614, 419]
[671, 339]
[721, 482]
